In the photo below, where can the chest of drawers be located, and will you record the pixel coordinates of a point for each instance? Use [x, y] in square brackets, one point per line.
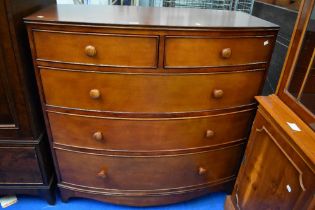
[148, 106]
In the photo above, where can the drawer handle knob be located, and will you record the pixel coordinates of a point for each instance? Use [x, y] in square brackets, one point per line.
[202, 171]
[209, 133]
[95, 94]
[98, 136]
[226, 53]
[90, 51]
[217, 93]
[102, 174]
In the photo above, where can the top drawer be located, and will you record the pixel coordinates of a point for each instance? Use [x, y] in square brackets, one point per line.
[194, 52]
[97, 49]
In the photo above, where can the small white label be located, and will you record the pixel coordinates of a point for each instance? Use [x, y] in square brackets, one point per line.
[294, 126]
[289, 188]
[266, 42]
[8, 201]
[40, 16]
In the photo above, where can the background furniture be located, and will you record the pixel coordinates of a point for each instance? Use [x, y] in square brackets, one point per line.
[142, 105]
[25, 166]
[278, 168]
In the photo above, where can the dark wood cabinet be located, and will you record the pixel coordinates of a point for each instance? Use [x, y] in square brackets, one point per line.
[25, 163]
[278, 169]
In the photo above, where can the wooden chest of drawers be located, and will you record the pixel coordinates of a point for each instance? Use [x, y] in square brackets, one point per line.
[144, 107]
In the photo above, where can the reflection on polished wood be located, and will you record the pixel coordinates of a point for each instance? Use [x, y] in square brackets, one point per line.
[147, 16]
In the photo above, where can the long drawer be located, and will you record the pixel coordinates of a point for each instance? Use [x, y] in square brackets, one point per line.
[148, 172]
[148, 134]
[97, 49]
[149, 93]
[194, 52]
[19, 165]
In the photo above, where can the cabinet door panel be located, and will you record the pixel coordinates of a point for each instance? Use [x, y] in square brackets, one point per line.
[272, 175]
[19, 165]
[5, 114]
[269, 172]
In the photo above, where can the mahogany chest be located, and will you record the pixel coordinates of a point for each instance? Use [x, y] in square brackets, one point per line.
[148, 106]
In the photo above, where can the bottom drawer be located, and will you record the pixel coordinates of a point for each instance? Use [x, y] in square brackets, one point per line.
[148, 172]
[18, 165]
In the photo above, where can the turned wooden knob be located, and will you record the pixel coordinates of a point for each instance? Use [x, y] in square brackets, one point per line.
[95, 93]
[98, 136]
[102, 174]
[209, 133]
[202, 171]
[90, 51]
[218, 93]
[226, 53]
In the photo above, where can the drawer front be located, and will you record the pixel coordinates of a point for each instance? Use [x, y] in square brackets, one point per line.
[207, 52]
[150, 93]
[97, 49]
[148, 173]
[148, 135]
[19, 166]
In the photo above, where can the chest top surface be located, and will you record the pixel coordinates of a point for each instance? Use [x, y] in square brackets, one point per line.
[147, 16]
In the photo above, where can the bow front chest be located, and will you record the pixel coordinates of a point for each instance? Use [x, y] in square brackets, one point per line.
[148, 106]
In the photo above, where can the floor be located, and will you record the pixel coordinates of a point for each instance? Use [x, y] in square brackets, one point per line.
[213, 201]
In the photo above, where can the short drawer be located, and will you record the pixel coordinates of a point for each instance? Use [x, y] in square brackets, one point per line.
[149, 134]
[19, 166]
[97, 49]
[194, 52]
[150, 93]
[149, 172]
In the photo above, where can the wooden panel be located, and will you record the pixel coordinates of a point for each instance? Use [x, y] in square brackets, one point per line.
[5, 112]
[260, 185]
[19, 166]
[104, 49]
[265, 190]
[149, 93]
[148, 172]
[149, 134]
[207, 51]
